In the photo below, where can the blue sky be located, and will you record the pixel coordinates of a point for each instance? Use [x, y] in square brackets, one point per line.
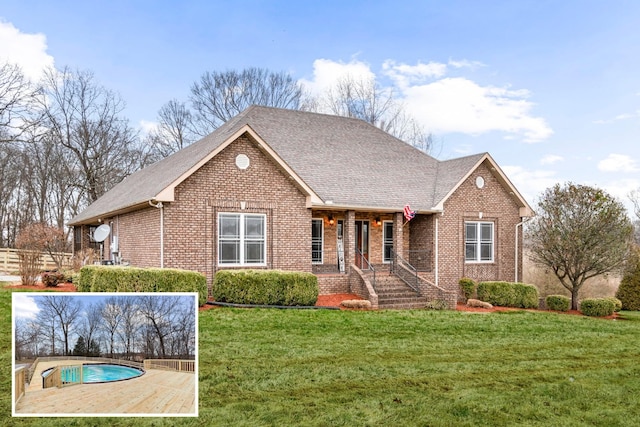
[550, 89]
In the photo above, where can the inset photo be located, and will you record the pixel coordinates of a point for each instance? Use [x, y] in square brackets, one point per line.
[105, 354]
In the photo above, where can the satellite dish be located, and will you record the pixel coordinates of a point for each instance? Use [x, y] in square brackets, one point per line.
[101, 233]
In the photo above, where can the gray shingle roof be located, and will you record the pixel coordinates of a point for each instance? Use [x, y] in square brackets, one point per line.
[344, 160]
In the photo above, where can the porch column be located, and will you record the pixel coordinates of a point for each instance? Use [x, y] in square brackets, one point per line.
[349, 237]
[398, 237]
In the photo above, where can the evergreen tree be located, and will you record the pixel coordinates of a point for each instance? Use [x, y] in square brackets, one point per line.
[81, 347]
[629, 290]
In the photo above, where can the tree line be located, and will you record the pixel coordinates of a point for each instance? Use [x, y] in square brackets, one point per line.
[65, 141]
[129, 327]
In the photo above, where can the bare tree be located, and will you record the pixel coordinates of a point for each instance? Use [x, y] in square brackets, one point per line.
[579, 232]
[17, 98]
[85, 118]
[62, 312]
[174, 130]
[91, 323]
[130, 324]
[112, 316]
[159, 314]
[219, 96]
[365, 99]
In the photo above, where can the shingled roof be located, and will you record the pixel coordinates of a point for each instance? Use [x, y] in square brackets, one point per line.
[341, 162]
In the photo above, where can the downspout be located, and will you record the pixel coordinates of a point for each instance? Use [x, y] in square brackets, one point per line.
[436, 254]
[516, 254]
[160, 206]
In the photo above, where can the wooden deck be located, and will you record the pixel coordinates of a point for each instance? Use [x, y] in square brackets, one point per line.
[156, 392]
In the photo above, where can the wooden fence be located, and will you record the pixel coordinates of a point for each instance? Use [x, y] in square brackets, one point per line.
[9, 261]
[171, 365]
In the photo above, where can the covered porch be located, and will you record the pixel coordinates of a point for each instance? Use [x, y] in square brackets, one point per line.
[373, 254]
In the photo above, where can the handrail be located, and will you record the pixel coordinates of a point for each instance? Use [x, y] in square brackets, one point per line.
[364, 260]
[19, 382]
[397, 263]
[171, 364]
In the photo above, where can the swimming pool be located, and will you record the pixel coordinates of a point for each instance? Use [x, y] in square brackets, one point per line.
[98, 373]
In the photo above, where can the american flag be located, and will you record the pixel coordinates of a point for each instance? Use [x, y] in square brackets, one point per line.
[408, 213]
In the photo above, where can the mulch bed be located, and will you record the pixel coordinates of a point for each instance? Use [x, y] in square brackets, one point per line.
[464, 307]
[62, 287]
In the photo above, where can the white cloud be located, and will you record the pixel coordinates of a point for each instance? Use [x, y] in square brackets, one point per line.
[530, 183]
[146, 126]
[29, 51]
[404, 74]
[624, 116]
[618, 163]
[461, 105]
[24, 306]
[327, 72]
[551, 159]
[444, 104]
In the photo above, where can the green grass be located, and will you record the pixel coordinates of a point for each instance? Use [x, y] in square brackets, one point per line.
[431, 368]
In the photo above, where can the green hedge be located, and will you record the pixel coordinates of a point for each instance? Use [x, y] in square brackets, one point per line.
[616, 303]
[97, 278]
[558, 302]
[468, 287]
[597, 307]
[265, 287]
[508, 294]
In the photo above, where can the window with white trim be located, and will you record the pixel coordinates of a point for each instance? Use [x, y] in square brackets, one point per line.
[478, 241]
[387, 241]
[242, 239]
[317, 240]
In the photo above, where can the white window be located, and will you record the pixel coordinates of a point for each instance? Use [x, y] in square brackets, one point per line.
[316, 240]
[242, 239]
[478, 241]
[387, 241]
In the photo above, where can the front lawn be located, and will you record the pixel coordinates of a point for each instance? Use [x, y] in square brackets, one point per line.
[437, 368]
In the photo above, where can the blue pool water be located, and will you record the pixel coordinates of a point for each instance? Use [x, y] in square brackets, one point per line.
[99, 373]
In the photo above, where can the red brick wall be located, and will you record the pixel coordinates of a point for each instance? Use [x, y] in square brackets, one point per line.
[220, 186]
[138, 237]
[496, 205]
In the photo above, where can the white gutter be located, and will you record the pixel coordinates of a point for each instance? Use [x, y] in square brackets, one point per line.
[516, 254]
[436, 253]
[160, 206]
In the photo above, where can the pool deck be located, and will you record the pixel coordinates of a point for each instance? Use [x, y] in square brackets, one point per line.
[156, 392]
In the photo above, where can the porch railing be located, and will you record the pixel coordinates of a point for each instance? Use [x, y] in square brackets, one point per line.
[325, 261]
[362, 262]
[405, 271]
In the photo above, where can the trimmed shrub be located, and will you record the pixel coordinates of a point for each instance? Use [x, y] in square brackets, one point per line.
[265, 287]
[507, 294]
[51, 278]
[437, 304]
[597, 307]
[468, 287]
[97, 278]
[629, 290]
[558, 302]
[617, 304]
[496, 293]
[526, 296]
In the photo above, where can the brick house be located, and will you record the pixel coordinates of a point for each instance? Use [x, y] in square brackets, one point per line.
[291, 190]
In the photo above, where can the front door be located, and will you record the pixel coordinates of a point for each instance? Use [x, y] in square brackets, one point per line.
[362, 244]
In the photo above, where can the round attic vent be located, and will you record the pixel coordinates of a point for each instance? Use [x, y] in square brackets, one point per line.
[242, 161]
[479, 182]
